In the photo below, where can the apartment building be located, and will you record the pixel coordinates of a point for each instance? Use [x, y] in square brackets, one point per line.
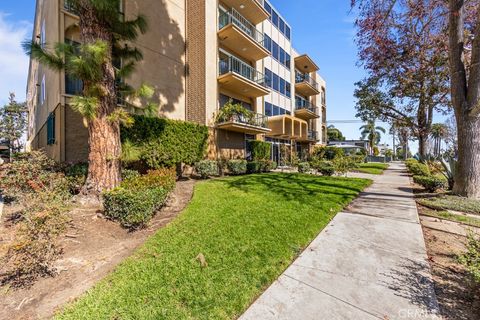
[198, 55]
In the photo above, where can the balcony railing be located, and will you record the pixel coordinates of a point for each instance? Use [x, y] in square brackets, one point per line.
[235, 65]
[313, 135]
[235, 18]
[306, 105]
[301, 77]
[253, 119]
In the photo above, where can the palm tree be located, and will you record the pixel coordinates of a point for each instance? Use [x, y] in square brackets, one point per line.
[373, 133]
[438, 133]
[105, 35]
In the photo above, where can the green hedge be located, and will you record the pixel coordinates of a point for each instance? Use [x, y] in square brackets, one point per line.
[304, 167]
[261, 150]
[161, 142]
[237, 167]
[419, 169]
[327, 153]
[207, 168]
[137, 199]
[430, 183]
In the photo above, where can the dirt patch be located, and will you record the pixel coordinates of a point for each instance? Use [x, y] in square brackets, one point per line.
[93, 247]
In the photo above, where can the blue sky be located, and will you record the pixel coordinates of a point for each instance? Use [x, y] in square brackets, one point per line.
[323, 29]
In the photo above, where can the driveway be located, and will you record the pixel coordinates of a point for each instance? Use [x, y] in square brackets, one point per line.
[370, 262]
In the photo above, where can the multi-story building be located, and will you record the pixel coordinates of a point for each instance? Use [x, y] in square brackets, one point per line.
[198, 55]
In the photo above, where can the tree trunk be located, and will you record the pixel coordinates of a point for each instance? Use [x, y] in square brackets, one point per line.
[467, 179]
[104, 171]
[422, 145]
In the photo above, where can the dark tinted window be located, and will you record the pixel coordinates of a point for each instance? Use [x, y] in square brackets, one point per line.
[275, 18]
[287, 60]
[276, 83]
[282, 56]
[268, 78]
[282, 86]
[268, 8]
[275, 50]
[276, 110]
[288, 89]
[281, 25]
[287, 32]
[267, 43]
[268, 109]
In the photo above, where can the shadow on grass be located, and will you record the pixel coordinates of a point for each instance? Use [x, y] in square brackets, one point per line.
[298, 187]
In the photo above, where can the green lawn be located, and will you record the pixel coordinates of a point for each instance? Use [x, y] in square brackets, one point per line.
[372, 168]
[249, 229]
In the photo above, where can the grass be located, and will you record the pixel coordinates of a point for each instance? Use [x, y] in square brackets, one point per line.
[450, 202]
[372, 168]
[248, 228]
[468, 220]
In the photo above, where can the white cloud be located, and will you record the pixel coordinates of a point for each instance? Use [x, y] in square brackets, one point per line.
[13, 61]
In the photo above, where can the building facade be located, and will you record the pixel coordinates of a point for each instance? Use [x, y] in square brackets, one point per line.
[198, 56]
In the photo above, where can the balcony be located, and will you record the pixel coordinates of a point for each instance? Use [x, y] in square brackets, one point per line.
[252, 10]
[237, 76]
[312, 136]
[305, 85]
[305, 109]
[287, 127]
[240, 36]
[305, 64]
[253, 123]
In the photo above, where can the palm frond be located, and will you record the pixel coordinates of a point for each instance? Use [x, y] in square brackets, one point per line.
[86, 106]
[37, 52]
[126, 70]
[130, 30]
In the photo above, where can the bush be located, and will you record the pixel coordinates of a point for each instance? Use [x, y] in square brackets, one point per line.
[129, 174]
[430, 183]
[267, 165]
[471, 258]
[207, 168]
[304, 167]
[137, 199]
[327, 171]
[419, 169]
[254, 167]
[161, 142]
[237, 167]
[76, 175]
[342, 165]
[327, 153]
[260, 150]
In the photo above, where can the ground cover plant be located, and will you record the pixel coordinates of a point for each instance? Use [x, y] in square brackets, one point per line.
[237, 236]
[451, 202]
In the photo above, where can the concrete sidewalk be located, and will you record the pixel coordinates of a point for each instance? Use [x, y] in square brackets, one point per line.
[370, 262]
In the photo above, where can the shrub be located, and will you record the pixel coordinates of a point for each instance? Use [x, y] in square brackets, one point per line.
[342, 165]
[129, 174]
[254, 167]
[419, 169]
[430, 183]
[207, 168]
[471, 258]
[76, 175]
[161, 142]
[137, 199]
[327, 171]
[327, 153]
[267, 165]
[304, 167]
[260, 150]
[237, 167]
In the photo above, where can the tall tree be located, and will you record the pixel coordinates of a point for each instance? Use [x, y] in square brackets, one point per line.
[438, 133]
[402, 45]
[105, 37]
[373, 133]
[334, 134]
[13, 123]
[464, 52]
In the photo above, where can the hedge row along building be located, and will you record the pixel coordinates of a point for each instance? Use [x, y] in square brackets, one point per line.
[198, 55]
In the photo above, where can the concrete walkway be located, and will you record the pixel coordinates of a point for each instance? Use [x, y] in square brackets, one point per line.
[370, 262]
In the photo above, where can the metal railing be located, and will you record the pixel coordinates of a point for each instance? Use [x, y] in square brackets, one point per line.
[253, 119]
[304, 104]
[235, 18]
[235, 65]
[303, 77]
[313, 135]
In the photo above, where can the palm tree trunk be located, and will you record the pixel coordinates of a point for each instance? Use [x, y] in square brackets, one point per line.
[104, 171]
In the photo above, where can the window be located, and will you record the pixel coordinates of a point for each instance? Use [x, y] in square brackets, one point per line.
[288, 89]
[268, 8]
[276, 82]
[267, 43]
[281, 25]
[275, 50]
[282, 111]
[51, 129]
[43, 35]
[288, 60]
[275, 18]
[43, 91]
[268, 78]
[276, 110]
[268, 109]
[282, 86]
[287, 32]
[282, 56]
